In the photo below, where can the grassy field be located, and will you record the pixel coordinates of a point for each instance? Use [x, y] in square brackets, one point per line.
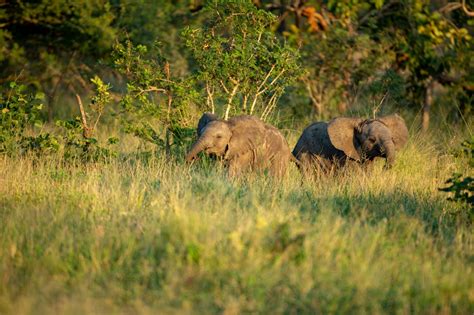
[140, 235]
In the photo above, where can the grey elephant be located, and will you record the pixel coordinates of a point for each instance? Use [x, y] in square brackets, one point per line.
[244, 142]
[329, 145]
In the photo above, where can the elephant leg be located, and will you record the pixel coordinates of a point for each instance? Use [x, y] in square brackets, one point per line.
[240, 164]
[278, 167]
[313, 166]
[368, 165]
[304, 164]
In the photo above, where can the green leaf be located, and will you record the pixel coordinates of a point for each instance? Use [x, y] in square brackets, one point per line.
[378, 3]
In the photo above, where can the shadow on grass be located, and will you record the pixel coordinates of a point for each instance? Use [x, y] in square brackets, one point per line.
[376, 207]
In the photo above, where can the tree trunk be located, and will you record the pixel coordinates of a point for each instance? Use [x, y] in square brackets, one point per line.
[425, 119]
[50, 107]
[168, 142]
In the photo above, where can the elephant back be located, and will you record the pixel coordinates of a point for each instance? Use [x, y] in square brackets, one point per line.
[267, 145]
[315, 140]
[276, 153]
[248, 134]
[276, 143]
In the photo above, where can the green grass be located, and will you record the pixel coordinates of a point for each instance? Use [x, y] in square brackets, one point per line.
[154, 236]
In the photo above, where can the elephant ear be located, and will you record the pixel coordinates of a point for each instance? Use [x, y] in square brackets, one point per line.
[248, 134]
[398, 128]
[342, 135]
[204, 120]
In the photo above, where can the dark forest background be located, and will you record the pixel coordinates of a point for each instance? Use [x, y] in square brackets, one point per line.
[159, 64]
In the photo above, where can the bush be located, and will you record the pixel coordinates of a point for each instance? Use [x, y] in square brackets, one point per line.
[340, 64]
[18, 113]
[155, 106]
[461, 187]
[243, 67]
[80, 139]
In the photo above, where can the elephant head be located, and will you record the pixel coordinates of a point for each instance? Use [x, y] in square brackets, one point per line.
[375, 139]
[214, 138]
[366, 139]
[399, 129]
[204, 120]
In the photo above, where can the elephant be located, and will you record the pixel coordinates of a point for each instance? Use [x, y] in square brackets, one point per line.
[330, 145]
[244, 143]
[204, 120]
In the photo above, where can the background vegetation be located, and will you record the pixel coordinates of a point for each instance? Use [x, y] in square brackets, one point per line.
[100, 99]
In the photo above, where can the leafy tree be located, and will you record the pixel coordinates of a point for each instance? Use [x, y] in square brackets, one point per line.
[422, 42]
[54, 46]
[51, 44]
[155, 105]
[340, 65]
[145, 22]
[431, 45]
[340, 62]
[244, 68]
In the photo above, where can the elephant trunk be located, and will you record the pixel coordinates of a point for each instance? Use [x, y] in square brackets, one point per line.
[389, 148]
[197, 147]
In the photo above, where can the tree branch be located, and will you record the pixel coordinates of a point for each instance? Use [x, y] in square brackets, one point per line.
[86, 131]
[451, 6]
[268, 109]
[229, 101]
[469, 13]
[266, 78]
[210, 97]
[379, 12]
[224, 87]
[151, 89]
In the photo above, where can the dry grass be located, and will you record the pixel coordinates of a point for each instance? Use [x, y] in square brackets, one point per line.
[145, 235]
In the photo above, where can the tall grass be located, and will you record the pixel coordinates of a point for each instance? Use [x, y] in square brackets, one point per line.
[138, 235]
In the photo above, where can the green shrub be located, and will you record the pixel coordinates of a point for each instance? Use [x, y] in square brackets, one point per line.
[20, 112]
[461, 187]
[80, 140]
[155, 105]
[242, 66]
[339, 65]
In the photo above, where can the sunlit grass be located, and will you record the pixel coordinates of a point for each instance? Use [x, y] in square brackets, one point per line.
[146, 235]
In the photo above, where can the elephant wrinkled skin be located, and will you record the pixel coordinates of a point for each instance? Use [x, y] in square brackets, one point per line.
[244, 142]
[329, 145]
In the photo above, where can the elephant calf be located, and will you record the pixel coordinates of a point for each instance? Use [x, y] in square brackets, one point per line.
[244, 142]
[328, 145]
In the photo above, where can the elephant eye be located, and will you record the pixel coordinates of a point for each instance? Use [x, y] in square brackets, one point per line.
[372, 139]
[219, 136]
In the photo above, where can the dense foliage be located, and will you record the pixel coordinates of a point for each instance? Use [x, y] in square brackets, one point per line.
[18, 112]
[461, 186]
[240, 59]
[230, 47]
